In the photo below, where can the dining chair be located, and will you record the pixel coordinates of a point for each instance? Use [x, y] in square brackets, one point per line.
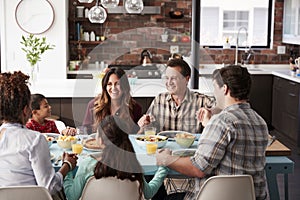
[227, 187]
[60, 125]
[24, 192]
[110, 188]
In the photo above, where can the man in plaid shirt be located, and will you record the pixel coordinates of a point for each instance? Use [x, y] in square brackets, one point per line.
[176, 109]
[233, 141]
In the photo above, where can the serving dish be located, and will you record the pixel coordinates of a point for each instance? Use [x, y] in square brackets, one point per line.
[159, 139]
[172, 134]
[91, 145]
[176, 14]
[66, 142]
[184, 139]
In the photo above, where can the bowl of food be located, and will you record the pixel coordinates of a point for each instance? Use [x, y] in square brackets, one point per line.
[159, 139]
[184, 139]
[66, 142]
[177, 14]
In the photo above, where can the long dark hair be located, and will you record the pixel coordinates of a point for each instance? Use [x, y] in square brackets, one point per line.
[15, 95]
[118, 156]
[103, 103]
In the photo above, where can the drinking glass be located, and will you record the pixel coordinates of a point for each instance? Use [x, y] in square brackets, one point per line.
[151, 148]
[77, 148]
[149, 130]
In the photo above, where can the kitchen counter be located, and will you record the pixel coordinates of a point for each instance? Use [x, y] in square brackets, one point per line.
[142, 87]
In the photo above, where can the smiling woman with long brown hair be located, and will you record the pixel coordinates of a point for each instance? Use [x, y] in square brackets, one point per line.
[115, 99]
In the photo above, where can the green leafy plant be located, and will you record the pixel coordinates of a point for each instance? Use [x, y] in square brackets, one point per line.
[34, 47]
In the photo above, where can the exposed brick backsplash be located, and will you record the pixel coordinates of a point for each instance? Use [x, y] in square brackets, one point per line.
[130, 34]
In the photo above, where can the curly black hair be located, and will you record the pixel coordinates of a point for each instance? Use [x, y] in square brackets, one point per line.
[15, 95]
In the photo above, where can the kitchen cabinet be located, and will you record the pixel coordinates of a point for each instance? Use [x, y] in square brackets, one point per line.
[285, 109]
[261, 96]
[72, 110]
[291, 22]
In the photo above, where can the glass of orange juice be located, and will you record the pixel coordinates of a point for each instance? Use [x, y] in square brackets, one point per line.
[149, 130]
[77, 148]
[151, 148]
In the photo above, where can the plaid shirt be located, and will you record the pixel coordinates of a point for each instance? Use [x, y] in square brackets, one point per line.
[48, 127]
[234, 142]
[168, 116]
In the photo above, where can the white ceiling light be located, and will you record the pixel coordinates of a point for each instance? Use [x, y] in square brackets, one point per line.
[97, 14]
[109, 3]
[134, 6]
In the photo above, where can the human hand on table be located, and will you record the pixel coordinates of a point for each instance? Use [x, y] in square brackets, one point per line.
[69, 131]
[164, 157]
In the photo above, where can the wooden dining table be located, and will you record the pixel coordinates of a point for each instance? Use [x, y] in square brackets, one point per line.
[277, 162]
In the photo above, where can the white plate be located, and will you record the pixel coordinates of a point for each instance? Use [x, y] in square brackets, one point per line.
[95, 150]
[54, 135]
[184, 152]
[172, 134]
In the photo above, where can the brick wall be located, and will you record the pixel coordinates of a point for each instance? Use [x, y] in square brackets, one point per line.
[129, 34]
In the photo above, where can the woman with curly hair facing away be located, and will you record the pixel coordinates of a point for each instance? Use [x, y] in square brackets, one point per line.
[25, 157]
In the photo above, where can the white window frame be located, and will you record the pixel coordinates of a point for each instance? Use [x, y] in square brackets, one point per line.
[239, 7]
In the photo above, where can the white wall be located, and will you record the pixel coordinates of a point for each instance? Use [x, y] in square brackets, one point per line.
[53, 62]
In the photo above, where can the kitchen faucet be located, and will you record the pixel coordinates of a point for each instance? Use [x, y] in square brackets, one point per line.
[237, 43]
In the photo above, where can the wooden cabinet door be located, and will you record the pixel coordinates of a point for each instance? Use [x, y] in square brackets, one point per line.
[261, 96]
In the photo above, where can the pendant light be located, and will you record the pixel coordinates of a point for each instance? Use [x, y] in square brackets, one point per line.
[97, 14]
[109, 3]
[134, 6]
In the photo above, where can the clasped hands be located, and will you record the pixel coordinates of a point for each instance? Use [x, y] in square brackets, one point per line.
[164, 157]
[70, 158]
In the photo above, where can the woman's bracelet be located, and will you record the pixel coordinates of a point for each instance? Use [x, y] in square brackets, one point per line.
[69, 163]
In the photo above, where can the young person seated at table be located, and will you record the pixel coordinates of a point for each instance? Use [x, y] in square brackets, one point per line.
[41, 110]
[176, 108]
[115, 99]
[232, 142]
[117, 159]
[25, 157]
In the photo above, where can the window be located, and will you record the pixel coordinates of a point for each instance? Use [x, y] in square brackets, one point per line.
[223, 20]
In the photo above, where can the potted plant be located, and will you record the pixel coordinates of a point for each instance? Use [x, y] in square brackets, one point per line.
[34, 47]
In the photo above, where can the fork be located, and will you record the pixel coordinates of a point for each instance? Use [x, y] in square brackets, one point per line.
[57, 160]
